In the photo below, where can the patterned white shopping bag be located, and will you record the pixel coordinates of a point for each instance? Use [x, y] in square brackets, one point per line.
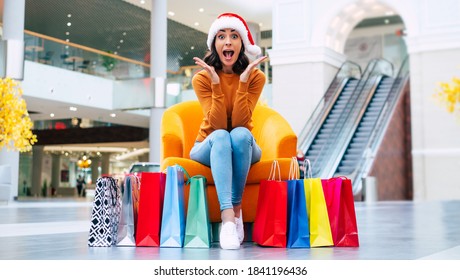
[105, 214]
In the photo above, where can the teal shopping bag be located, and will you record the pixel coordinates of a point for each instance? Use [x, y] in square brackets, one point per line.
[173, 220]
[198, 224]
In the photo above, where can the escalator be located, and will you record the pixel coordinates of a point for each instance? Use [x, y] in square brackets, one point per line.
[326, 130]
[336, 126]
[360, 153]
[348, 132]
[364, 130]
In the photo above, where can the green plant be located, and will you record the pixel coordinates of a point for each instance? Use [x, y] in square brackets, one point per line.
[109, 62]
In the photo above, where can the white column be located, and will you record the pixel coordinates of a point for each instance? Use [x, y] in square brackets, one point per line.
[105, 164]
[302, 69]
[37, 162]
[55, 172]
[95, 169]
[10, 160]
[158, 50]
[12, 45]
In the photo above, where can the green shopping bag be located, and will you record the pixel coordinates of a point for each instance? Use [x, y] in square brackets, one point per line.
[198, 225]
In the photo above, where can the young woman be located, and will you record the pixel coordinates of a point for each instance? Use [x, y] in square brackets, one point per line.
[228, 89]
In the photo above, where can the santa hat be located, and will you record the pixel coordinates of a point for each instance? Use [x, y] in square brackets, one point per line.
[234, 21]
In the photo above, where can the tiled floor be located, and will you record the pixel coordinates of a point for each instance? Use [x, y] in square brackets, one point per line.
[58, 230]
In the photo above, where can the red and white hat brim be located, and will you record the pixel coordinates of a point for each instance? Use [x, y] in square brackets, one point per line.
[233, 23]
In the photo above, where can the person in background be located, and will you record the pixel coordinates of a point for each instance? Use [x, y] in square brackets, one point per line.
[80, 185]
[228, 89]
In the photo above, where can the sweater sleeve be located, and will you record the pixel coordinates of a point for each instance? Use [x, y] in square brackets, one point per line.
[246, 99]
[211, 99]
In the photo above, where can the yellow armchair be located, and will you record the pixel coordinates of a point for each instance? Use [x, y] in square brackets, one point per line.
[274, 135]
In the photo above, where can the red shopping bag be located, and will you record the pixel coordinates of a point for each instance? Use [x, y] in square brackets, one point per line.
[270, 224]
[341, 211]
[151, 195]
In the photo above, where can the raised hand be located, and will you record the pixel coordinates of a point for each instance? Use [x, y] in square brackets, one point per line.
[245, 75]
[210, 69]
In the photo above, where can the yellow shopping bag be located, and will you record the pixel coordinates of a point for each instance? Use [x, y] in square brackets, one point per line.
[320, 228]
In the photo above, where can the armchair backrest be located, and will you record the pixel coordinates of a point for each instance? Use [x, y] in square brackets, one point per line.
[180, 124]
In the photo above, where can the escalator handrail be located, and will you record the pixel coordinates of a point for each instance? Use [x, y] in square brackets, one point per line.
[348, 120]
[347, 70]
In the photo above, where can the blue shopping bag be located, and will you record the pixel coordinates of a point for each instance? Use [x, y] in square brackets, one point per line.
[298, 229]
[173, 220]
[298, 232]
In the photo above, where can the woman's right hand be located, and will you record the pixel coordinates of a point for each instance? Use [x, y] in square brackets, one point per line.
[210, 69]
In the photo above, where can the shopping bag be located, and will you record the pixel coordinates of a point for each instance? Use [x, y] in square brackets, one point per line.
[105, 214]
[298, 230]
[320, 229]
[135, 195]
[198, 224]
[338, 194]
[173, 219]
[271, 213]
[126, 227]
[151, 193]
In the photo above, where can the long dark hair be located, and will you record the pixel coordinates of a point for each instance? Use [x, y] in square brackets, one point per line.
[212, 59]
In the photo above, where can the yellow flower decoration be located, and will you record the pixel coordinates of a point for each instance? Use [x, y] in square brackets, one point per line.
[15, 124]
[449, 95]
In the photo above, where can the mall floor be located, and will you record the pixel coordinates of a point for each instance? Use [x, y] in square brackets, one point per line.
[57, 229]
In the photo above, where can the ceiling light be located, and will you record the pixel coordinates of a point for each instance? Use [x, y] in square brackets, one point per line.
[387, 21]
[52, 115]
[124, 33]
[73, 108]
[142, 2]
[171, 13]
[196, 23]
[201, 10]
[69, 24]
[113, 115]
[121, 41]
[67, 40]
[115, 53]
[261, 24]
[67, 33]
[118, 47]
[192, 47]
[389, 13]
[69, 15]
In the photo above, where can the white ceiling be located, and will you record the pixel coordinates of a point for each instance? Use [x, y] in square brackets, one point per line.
[188, 12]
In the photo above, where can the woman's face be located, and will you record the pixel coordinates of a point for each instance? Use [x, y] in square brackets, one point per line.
[228, 46]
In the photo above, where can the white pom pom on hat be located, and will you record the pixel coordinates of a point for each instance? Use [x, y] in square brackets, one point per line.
[234, 21]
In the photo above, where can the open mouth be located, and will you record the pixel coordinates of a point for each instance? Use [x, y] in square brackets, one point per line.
[228, 54]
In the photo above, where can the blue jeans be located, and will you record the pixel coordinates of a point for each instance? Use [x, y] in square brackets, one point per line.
[230, 155]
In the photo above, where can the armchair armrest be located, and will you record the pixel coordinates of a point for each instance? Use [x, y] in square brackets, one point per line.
[276, 138]
[171, 136]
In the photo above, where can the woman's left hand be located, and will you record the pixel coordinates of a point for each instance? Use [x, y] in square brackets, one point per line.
[245, 75]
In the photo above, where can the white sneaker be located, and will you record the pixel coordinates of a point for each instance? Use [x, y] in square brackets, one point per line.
[240, 227]
[229, 237]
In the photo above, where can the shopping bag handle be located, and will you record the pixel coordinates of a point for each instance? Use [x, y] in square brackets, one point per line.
[307, 165]
[294, 169]
[196, 176]
[275, 166]
[183, 170]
